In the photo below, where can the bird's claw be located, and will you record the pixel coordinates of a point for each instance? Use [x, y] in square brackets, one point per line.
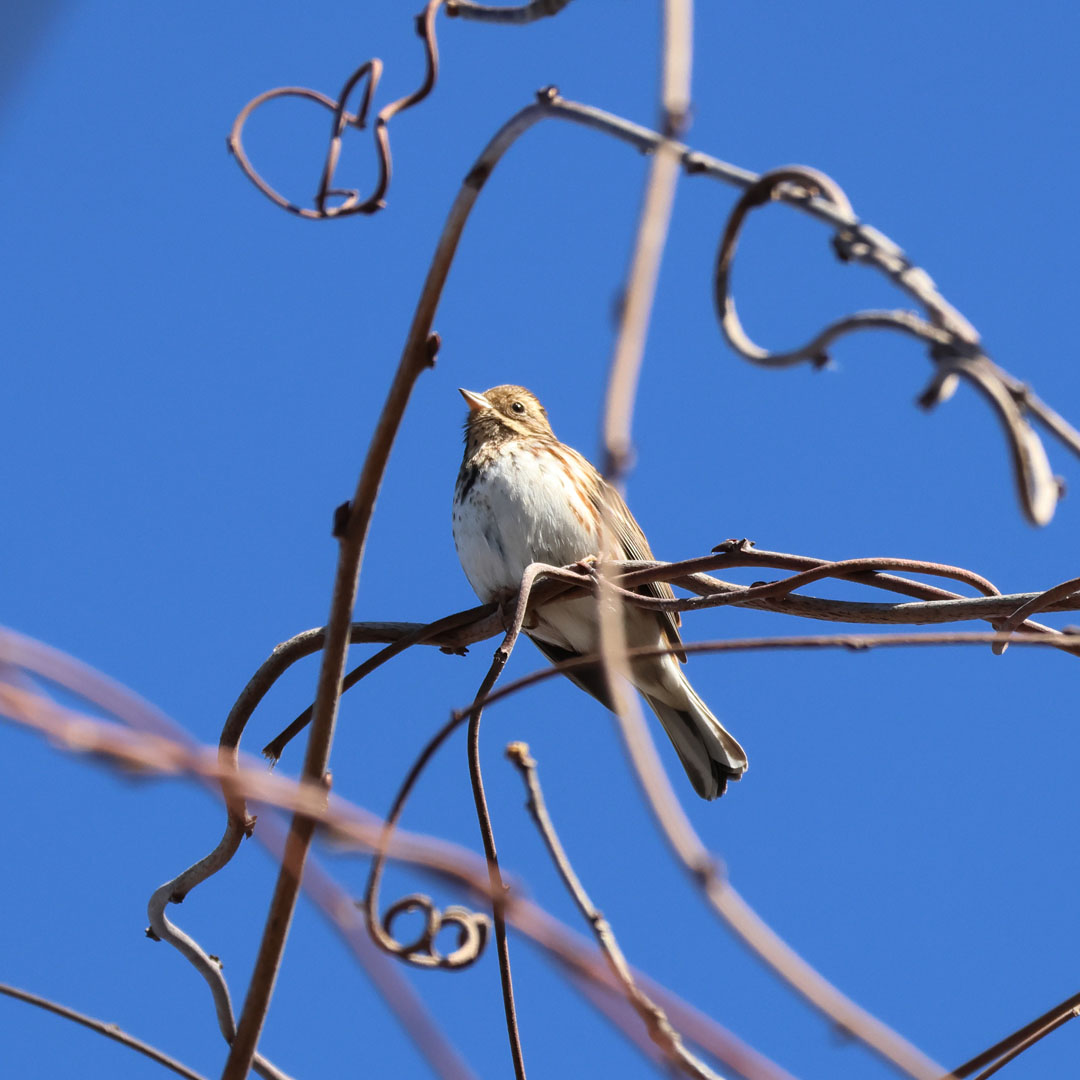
[589, 566]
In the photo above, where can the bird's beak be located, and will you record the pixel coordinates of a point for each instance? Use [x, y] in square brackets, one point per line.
[475, 401]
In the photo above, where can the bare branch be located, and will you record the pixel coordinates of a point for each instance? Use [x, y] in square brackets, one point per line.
[644, 270]
[655, 1019]
[352, 826]
[523, 13]
[482, 618]
[1004, 1051]
[487, 834]
[851, 642]
[110, 1031]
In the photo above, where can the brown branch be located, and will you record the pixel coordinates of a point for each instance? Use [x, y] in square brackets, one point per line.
[524, 13]
[153, 753]
[419, 353]
[483, 816]
[704, 870]
[954, 342]
[1004, 1051]
[498, 906]
[1030, 1041]
[434, 633]
[853, 642]
[409, 1009]
[685, 842]
[644, 270]
[110, 1031]
[239, 824]
[655, 1019]
[455, 632]
[954, 349]
[1044, 601]
[353, 826]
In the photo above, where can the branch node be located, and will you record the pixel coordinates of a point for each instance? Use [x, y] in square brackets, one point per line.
[341, 520]
[434, 342]
[731, 546]
[518, 753]
[693, 163]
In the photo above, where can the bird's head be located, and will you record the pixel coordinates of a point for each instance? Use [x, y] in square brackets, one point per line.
[504, 412]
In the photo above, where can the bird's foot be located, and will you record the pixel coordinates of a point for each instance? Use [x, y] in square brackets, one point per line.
[589, 566]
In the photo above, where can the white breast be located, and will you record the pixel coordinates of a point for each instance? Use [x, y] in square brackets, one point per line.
[521, 508]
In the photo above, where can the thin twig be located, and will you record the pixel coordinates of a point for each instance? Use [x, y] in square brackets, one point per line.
[110, 1031]
[483, 816]
[349, 825]
[853, 642]
[392, 988]
[519, 15]
[419, 354]
[154, 752]
[498, 906]
[427, 633]
[655, 1019]
[1030, 1041]
[655, 217]
[1030, 1033]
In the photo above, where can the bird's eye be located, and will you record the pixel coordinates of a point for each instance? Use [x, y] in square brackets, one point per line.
[518, 407]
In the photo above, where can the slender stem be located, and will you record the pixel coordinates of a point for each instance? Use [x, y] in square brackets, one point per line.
[1038, 1027]
[110, 1031]
[1030, 1041]
[655, 1019]
[498, 889]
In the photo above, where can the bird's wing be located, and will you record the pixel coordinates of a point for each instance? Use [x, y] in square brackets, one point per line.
[634, 546]
[591, 678]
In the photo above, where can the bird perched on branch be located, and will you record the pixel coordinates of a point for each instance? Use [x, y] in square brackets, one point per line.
[524, 497]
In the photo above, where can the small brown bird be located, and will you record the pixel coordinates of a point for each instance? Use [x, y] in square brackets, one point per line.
[523, 497]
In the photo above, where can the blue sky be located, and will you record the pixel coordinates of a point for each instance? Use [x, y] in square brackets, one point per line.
[192, 377]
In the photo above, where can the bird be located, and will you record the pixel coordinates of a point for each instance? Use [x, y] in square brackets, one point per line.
[524, 497]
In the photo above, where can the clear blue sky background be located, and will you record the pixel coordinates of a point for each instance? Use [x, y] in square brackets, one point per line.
[191, 377]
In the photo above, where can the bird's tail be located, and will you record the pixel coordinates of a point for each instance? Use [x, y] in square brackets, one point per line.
[710, 755]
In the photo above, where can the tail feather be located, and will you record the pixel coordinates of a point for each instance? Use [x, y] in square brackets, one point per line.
[710, 755]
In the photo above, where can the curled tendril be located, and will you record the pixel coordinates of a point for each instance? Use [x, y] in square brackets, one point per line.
[351, 203]
[473, 928]
[952, 342]
[802, 183]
